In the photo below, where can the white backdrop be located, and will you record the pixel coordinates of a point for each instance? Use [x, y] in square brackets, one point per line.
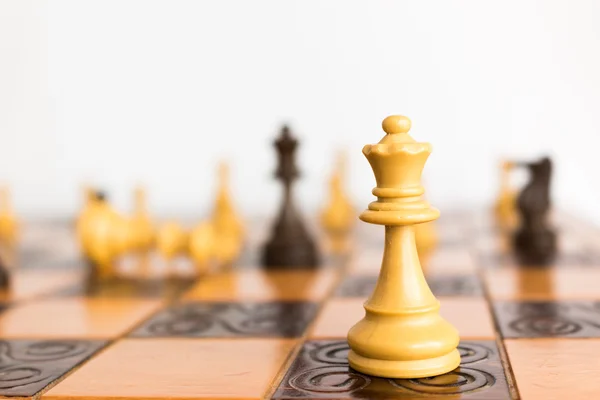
[119, 92]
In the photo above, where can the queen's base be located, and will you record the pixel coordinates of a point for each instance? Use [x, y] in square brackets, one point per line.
[405, 369]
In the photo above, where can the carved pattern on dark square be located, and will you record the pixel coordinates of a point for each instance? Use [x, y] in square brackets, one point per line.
[548, 319]
[27, 366]
[440, 285]
[321, 371]
[196, 319]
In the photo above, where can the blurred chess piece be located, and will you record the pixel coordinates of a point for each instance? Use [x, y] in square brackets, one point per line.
[103, 235]
[8, 220]
[89, 198]
[290, 245]
[338, 216]
[142, 228]
[505, 208]
[202, 246]
[4, 277]
[227, 226]
[535, 239]
[123, 235]
[171, 240]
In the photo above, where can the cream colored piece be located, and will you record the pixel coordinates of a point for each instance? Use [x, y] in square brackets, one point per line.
[141, 224]
[103, 235]
[339, 215]
[228, 227]
[505, 207]
[86, 211]
[202, 246]
[402, 334]
[8, 220]
[172, 240]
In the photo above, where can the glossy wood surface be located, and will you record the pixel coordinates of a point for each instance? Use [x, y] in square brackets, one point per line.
[222, 339]
[81, 318]
[543, 283]
[264, 285]
[177, 369]
[556, 369]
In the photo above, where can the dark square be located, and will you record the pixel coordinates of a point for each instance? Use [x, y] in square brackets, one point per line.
[321, 371]
[27, 366]
[126, 288]
[196, 319]
[440, 285]
[548, 319]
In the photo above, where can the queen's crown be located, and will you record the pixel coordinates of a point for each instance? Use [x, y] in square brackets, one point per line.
[397, 162]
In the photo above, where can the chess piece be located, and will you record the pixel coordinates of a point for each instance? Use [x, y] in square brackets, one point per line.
[172, 240]
[505, 207]
[142, 229]
[8, 235]
[103, 236]
[290, 245]
[402, 334]
[227, 248]
[4, 276]
[228, 228]
[122, 232]
[338, 217]
[534, 241]
[202, 246]
[89, 203]
[88, 199]
[224, 217]
[8, 221]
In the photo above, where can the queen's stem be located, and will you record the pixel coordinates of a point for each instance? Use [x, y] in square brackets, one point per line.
[401, 287]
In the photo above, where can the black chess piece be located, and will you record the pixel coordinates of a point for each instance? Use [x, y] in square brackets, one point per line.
[290, 245]
[535, 241]
[100, 195]
[4, 276]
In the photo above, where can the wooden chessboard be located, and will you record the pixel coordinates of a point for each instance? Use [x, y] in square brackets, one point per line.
[529, 333]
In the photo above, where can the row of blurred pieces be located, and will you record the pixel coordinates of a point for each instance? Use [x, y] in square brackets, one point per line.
[110, 239]
[117, 245]
[134, 245]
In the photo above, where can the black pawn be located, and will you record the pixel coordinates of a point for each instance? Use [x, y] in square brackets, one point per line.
[4, 276]
[290, 245]
[99, 195]
[534, 241]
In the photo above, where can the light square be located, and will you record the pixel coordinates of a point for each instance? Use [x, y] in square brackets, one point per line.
[543, 283]
[553, 369]
[264, 285]
[74, 318]
[178, 369]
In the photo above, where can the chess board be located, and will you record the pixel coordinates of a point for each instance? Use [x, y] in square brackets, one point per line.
[246, 333]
